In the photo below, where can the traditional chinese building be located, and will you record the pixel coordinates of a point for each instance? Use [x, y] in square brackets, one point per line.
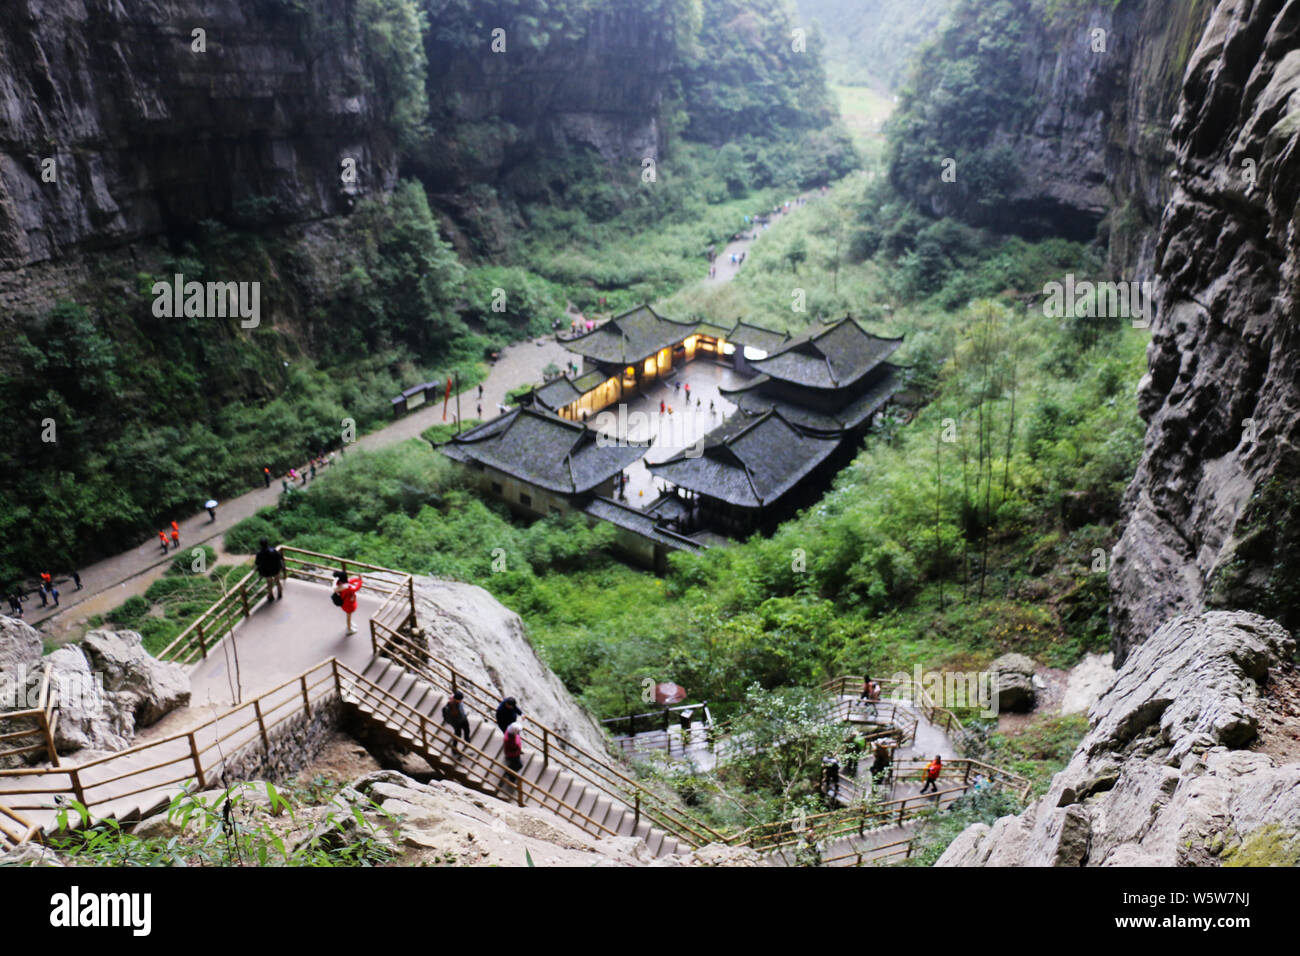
[540, 464]
[830, 380]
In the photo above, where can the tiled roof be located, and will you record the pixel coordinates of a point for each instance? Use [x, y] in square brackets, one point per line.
[556, 393]
[544, 450]
[587, 381]
[755, 336]
[829, 358]
[630, 337]
[751, 398]
[640, 522]
[749, 462]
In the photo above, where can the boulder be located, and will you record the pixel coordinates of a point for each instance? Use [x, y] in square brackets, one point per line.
[20, 674]
[1013, 681]
[88, 718]
[1163, 776]
[150, 688]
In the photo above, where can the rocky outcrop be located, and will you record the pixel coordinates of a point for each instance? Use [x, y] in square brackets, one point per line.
[1212, 514]
[1013, 682]
[140, 683]
[20, 676]
[1164, 776]
[106, 688]
[467, 628]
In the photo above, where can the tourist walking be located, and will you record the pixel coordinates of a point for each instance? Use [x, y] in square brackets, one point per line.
[176, 540]
[76, 579]
[16, 604]
[883, 757]
[54, 593]
[270, 565]
[211, 505]
[513, 750]
[932, 772]
[831, 779]
[44, 597]
[508, 712]
[266, 473]
[454, 714]
[162, 536]
[345, 595]
[871, 694]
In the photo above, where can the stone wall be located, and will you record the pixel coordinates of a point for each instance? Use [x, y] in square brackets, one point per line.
[294, 744]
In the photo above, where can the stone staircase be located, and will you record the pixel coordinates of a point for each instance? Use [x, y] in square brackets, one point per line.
[401, 705]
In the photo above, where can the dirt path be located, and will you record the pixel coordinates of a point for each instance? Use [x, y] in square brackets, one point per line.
[109, 582]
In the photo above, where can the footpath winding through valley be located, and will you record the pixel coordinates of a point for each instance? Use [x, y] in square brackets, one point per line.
[109, 582]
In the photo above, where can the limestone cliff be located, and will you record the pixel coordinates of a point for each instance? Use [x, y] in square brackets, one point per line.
[1212, 513]
[1190, 759]
[147, 134]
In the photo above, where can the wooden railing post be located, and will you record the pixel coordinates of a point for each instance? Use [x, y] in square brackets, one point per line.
[636, 813]
[374, 637]
[198, 764]
[453, 680]
[77, 790]
[261, 724]
[203, 647]
[338, 681]
[546, 747]
[410, 593]
[306, 698]
[243, 596]
[424, 734]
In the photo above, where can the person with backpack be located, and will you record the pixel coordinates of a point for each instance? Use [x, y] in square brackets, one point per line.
[270, 565]
[176, 537]
[513, 750]
[871, 694]
[454, 714]
[831, 779]
[508, 712]
[932, 772]
[345, 595]
[883, 757]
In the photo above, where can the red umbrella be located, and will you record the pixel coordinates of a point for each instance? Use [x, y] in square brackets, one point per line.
[669, 693]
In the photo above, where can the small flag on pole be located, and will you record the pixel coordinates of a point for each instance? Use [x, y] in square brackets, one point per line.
[446, 398]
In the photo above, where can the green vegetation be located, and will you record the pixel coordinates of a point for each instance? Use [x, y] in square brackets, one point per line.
[173, 602]
[244, 825]
[1270, 845]
[938, 831]
[967, 83]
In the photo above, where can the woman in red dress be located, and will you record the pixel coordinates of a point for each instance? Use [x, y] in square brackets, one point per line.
[347, 589]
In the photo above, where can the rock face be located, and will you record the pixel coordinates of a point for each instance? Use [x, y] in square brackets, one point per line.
[1212, 512]
[1099, 82]
[147, 134]
[1163, 777]
[147, 687]
[1013, 679]
[485, 641]
[20, 675]
[107, 687]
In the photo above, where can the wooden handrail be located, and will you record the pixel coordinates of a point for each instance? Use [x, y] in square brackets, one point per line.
[482, 761]
[607, 779]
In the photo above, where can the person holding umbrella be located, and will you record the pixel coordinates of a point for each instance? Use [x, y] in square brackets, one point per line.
[211, 505]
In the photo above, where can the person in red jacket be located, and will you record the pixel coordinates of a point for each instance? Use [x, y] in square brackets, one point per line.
[162, 536]
[932, 775]
[513, 749]
[345, 591]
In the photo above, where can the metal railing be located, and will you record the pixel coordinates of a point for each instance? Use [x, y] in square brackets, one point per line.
[43, 719]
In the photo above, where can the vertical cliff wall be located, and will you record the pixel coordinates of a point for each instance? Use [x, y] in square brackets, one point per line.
[1213, 516]
[1079, 105]
[148, 135]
